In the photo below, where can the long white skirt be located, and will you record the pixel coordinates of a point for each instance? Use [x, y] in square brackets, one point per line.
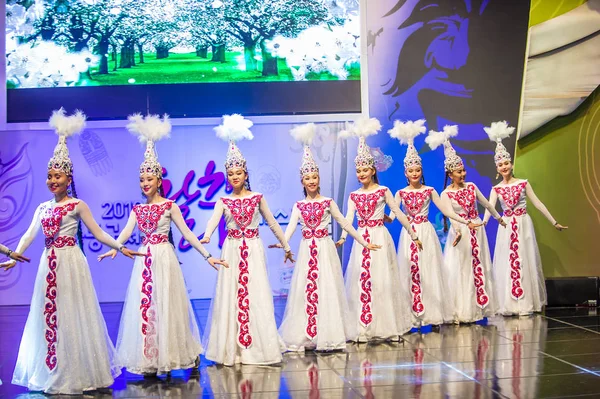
[421, 274]
[243, 330]
[517, 244]
[379, 303]
[84, 356]
[469, 304]
[158, 330]
[316, 314]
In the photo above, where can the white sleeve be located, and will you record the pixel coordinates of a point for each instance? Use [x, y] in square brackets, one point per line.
[88, 219]
[486, 203]
[272, 223]
[345, 224]
[293, 223]
[538, 204]
[349, 217]
[189, 236]
[493, 200]
[213, 222]
[398, 199]
[32, 231]
[389, 200]
[448, 203]
[4, 250]
[445, 209]
[128, 230]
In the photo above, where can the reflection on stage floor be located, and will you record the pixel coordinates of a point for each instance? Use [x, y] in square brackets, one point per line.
[556, 354]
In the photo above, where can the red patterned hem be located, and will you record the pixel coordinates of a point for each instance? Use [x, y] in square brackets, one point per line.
[415, 280]
[244, 337]
[312, 295]
[515, 261]
[148, 313]
[478, 274]
[366, 317]
[50, 312]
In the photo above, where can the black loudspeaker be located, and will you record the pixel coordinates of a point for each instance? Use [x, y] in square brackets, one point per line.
[573, 291]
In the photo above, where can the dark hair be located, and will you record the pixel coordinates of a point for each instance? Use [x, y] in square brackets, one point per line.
[375, 178]
[444, 218]
[79, 230]
[247, 184]
[161, 192]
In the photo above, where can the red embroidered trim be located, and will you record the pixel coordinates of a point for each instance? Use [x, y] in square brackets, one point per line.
[418, 219]
[50, 312]
[515, 261]
[312, 295]
[148, 313]
[415, 280]
[366, 317]
[308, 234]
[60, 242]
[244, 337]
[511, 194]
[246, 233]
[466, 199]
[370, 223]
[155, 239]
[313, 212]
[52, 218]
[148, 215]
[517, 212]
[366, 204]
[414, 200]
[478, 274]
[242, 210]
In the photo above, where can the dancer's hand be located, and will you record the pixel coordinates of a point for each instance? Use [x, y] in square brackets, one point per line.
[387, 219]
[340, 242]
[502, 222]
[419, 244]
[289, 256]
[560, 227]
[131, 254]
[373, 247]
[457, 239]
[112, 253]
[278, 245]
[474, 226]
[214, 262]
[9, 264]
[18, 257]
[205, 240]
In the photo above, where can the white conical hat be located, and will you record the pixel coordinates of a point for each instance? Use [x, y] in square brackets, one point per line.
[362, 128]
[497, 132]
[64, 126]
[234, 128]
[305, 134]
[150, 129]
[406, 133]
[435, 139]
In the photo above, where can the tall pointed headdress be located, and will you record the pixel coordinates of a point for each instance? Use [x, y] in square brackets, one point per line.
[406, 133]
[435, 139]
[497, 132]
[64, 126]
[234, 128]
[362, 128]
[305, 134]
[149, 130]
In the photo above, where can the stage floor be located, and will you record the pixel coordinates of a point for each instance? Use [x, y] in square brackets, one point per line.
[551, 355]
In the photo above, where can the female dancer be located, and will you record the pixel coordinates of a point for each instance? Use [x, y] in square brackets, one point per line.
[65, 346]
[518, 270]
[158, 331]
[316, 313]
[242, 325]
[13, 255]
[378, 304]
[467, 262]
[426, 285]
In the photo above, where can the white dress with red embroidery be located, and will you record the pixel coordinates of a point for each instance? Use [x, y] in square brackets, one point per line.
[379, 303]
[422, 270]
[316, 313]
[65, 346]
[518, 270]
[241, 326]
[158, 331]
[468, 266]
